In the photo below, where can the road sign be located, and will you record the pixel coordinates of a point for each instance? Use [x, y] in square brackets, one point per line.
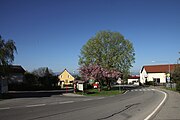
[168, 75]
[168, 79]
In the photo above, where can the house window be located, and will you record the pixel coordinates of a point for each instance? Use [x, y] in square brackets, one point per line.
[156, 80]
[66, 81]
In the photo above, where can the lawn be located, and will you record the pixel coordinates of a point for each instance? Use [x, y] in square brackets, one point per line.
[172, 89]
[95, 92]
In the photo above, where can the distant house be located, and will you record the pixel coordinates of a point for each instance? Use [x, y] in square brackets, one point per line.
[12, 75]
[156, 73]
[133, 79]
[65, 78]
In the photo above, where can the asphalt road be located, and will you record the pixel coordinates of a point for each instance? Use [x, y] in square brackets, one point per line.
[136, 104]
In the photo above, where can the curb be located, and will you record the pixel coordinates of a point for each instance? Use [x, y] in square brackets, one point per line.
[159, 107]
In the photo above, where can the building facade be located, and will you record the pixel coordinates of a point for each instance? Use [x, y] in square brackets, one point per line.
[159, 74]
[65, 79]
[133, 79]
[11, 74]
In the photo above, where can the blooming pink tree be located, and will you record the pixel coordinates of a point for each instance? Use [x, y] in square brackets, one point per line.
[99, 73]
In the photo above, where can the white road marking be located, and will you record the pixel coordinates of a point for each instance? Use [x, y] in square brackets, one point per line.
[65, 102]
[125, 92]
[55, 103]
[141, 90]
[5, 108]
[155, 110]
[100, 98]
[36, 105]
[87, 99]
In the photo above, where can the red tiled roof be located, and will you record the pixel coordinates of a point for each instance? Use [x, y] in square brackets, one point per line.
[159, 68]
[134, 77]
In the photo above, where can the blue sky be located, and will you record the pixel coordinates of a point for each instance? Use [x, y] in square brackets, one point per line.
[50, 33]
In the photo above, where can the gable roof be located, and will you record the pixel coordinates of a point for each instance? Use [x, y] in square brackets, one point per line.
[65, 70]
[134, 77]
[13, 69]
[69, 78]
[159, 68]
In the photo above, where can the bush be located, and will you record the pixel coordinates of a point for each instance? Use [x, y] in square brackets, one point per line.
[178, 86]
[150, 83]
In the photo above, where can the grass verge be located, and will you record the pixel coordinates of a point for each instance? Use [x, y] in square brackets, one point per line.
[172, 89]
[95, 92]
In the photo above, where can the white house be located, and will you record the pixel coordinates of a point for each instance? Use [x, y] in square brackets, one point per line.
[159, 74]
[133, 79]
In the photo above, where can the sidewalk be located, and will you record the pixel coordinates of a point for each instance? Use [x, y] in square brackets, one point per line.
[171, 109]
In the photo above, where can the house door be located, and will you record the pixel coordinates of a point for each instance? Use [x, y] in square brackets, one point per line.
[156, 81]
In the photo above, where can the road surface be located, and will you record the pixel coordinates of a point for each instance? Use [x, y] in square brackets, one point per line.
[136, 104]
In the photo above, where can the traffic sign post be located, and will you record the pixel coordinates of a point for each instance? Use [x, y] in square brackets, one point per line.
[168, 77]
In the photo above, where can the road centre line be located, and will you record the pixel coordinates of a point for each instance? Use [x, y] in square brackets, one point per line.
[87, 99]
[156, 109]
[36, 105]
[101, 98]
[66, 102]
[5, 108]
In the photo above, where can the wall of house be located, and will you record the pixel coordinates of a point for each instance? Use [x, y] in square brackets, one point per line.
[16, 78]
[3, 86]
[132, 80]
[161, 76]
[66, 77]
[143, 76]
[151, 76]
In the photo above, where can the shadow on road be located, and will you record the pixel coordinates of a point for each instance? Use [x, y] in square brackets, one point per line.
[32, 94]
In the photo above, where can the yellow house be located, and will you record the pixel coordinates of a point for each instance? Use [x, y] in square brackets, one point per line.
[65, 78]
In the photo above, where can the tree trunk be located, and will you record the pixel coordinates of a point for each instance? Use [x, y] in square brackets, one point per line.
[108, 84]
[99, 86]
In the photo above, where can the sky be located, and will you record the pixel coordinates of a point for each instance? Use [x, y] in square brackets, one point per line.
[50, 33]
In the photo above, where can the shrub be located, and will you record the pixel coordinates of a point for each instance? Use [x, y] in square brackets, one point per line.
[150, 83]
[178, 86]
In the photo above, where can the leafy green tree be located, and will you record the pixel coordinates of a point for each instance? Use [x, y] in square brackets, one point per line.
[7, 50]
[176, 76]
[110, 50]
[176, 73]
